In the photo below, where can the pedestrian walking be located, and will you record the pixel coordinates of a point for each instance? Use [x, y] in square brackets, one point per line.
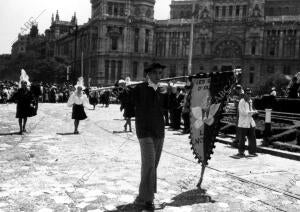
[36, 91]
[150, 130]
[186, 110]
[178, 108]
[126, 104]
[25, 102]
[93, 99]
[78, 100]
[238, 94]
[246, 125]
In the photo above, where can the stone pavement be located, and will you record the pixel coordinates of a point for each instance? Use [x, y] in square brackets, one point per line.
[50, 169]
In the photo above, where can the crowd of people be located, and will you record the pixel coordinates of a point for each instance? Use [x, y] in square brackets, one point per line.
[53, 93]
[174, 102]
[154, 106]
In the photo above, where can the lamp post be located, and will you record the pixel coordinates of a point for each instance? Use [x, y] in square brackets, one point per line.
[68, 73]
[74, 74]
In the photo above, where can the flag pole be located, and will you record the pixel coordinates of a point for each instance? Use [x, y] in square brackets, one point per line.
[201, 177]
[190, 66]
[82, 63]
[191, 41]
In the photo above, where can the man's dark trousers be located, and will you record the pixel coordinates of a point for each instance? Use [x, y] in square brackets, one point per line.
[151, 149]
[250, 133]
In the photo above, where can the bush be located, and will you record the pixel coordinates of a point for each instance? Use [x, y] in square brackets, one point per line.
[277, 80]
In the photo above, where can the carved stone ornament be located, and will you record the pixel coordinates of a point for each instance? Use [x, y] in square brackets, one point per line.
[114, 32]
[228, 49]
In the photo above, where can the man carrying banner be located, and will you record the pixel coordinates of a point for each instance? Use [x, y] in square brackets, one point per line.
[246, 125]
[150, 130]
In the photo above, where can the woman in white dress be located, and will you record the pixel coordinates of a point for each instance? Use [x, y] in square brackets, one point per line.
[78, 100]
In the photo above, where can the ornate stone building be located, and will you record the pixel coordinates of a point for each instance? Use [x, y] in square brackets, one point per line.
[116, 42]
[260, 36]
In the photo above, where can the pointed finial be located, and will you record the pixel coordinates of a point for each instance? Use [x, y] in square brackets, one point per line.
[75, 18]
[57, 16]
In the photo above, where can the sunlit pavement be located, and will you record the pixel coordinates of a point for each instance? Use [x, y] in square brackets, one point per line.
[50, 169]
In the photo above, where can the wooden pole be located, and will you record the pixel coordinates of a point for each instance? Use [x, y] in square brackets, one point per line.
[82, 63]
[201, 177]
[191, 43]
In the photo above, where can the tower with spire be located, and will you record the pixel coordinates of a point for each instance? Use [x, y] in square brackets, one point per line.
[74, 19]
[57, 16]
[59, 27]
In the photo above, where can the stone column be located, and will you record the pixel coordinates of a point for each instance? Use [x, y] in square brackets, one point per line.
[140, 70]
[260, 46]
[151, 42]
[127, 70]
[167, 44]
[233, 11]
[129, 39]
[102, 38]
[180, 44]
[280, 53]
[227, 12]
[100, 69]
[109, 72]
[142, 40]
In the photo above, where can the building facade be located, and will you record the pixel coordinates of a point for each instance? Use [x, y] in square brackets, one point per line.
[122, 37]
[4, 60]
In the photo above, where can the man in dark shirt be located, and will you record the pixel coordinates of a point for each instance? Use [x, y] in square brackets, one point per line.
[150, 130]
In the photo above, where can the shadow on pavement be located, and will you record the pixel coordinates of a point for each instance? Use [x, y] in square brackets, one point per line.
[128, 208]
[70, 133]
[238, 157]
[10, 133]
[119, 132]
[191, 197]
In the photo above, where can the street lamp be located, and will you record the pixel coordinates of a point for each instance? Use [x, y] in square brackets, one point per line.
[190, 61]
[68, 72]
[75, 31]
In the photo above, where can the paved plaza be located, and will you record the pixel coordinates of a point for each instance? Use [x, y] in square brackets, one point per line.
[50, 169]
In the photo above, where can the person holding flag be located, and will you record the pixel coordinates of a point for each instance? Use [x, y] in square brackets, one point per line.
[150, 130]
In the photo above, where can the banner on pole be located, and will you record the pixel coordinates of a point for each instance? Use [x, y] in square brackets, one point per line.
[207, 101]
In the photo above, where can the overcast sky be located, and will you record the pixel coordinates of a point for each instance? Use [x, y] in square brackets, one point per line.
[15, 13]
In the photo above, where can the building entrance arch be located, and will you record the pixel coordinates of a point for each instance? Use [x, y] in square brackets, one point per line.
[228, 49]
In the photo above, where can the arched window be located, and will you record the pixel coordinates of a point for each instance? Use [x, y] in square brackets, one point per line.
[148, 13]
[113, 70]
[110, 8]
[279, 11]
[230, 11]
[286, 11]
[116, 10]
[114, 43]
[137, 11]
[217, 11]
[203, 47]
[237, 11]
[253, 48]
[181, 14]
[224, 11]
[271, 11]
